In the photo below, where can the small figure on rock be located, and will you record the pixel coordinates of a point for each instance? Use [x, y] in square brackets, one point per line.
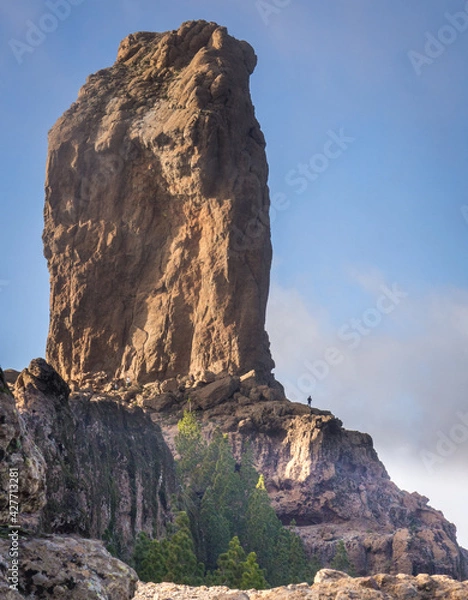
[128, 381]
[309, 401]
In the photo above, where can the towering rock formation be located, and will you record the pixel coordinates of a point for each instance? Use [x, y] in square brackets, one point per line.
[158, 243]
[157, 233]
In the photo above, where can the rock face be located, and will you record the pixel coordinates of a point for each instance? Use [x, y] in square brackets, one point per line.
[69, 568]
[158, 244]
[52, 566]
[109, 472]
[157, 232]
[19, 456]
[326, 478]
[328, 585]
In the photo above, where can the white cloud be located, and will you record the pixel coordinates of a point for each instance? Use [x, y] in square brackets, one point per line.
[405, 383]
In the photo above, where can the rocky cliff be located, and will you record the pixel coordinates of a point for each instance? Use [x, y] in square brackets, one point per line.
[109, 473]
[19, 453]
[156, 220]
[327, 479]
[158, 245]
[34, 565]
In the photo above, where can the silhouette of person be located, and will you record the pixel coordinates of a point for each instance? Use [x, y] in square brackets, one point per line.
[309, 401]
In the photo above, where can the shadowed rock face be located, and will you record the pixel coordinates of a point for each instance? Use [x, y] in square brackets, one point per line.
[109, 473]
[156, 219]
[21, 464]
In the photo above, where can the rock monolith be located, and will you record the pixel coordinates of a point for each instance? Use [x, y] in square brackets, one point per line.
[157, 232]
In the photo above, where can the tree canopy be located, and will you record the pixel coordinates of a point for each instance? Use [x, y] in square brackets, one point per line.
[227, 531]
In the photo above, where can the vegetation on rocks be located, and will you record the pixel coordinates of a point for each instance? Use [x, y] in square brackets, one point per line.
[227, 533]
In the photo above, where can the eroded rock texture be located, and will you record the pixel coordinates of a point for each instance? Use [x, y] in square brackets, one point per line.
[329, 480]
[69, 568]
[328, 585]
[109, 472]
[156, 219]
[21, 464]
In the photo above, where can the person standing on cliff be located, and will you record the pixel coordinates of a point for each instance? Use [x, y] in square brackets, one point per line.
[309, 402]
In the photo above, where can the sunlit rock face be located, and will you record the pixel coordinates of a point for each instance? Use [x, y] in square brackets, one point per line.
[157, 233]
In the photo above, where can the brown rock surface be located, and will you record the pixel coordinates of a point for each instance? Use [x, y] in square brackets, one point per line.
[68, 568]
[109, 472]
[156, 219]
[158, 245]
[19, 452]
[331, 482]
[329, 585]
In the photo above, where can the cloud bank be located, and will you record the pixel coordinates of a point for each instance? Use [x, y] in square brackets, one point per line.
[400, 375]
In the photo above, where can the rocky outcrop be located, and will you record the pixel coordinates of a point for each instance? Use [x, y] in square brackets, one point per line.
[156, 232]
[326, 479]
[68, 568]
[158, 246]
[22, 466]
[109, 472]
[328, 585]
[31, 565]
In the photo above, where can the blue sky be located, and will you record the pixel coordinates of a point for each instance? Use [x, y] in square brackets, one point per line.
[385, 211]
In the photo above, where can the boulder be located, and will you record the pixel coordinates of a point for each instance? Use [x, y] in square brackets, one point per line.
[161, 403]
[215, 393]
[69, 568]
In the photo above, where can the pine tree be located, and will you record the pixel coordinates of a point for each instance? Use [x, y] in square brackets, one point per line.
[150, 559]
[248, 480]
[341, 561]
[281, 565]
[301, 568]
[214, 529]
[290, 562]
[153, 567]
[262, 529]
[191, 448]
[182, 565]
[253, 576]
[231, 565]
[142, 547]
[226, 483]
